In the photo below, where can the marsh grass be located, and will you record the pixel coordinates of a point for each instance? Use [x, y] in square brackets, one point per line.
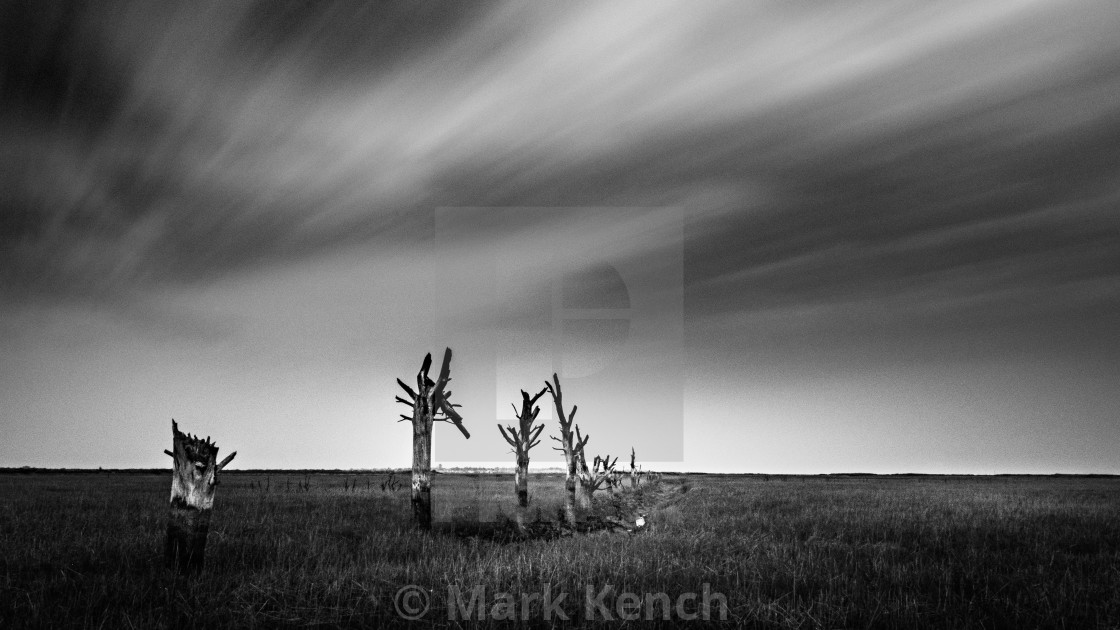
[85, 550]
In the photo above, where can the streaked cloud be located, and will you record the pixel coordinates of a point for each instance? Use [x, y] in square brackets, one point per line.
[251, 186]
[150, 144]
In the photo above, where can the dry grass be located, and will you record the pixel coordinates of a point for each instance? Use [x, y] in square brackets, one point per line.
[794, 552]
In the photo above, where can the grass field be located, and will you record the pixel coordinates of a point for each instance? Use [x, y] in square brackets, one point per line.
[288, 550]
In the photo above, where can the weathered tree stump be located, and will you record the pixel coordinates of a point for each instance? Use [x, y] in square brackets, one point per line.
[590, 480]
[633, 470]
[571, 446]
[428, 401]
[194, 477]
[522, 438]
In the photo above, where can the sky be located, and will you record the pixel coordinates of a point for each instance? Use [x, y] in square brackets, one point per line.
[750, 237]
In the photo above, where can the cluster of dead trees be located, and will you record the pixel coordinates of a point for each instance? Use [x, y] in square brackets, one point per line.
[195, 468]
[430, 402]
[582, 481]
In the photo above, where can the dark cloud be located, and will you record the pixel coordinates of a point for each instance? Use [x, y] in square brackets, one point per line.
[111, 189]
[342, 40]
[927, 207]
[51, 72]
[822, 156]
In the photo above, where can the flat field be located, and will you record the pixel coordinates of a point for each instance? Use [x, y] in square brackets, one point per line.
[336, 550]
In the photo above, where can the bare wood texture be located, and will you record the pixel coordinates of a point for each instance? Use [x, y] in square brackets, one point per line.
[633, 469]
[430, 403]
[591, 479]
[571, 446]
[522, 438]
[194, 477]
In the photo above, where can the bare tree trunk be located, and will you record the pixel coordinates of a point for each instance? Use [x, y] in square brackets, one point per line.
[187, 529]
[571, 445]
[583, 498]
[421, 474]
[521, 482]
[633, 470]
[521, 485]
[194, 477]
[570, 509]
[523, 438]
[572, 489]
[427, 402]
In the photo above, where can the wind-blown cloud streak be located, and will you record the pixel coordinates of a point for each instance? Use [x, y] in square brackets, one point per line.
[843, 169]
[173, 145]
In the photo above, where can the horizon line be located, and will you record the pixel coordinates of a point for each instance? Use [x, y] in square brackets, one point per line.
[510, 470]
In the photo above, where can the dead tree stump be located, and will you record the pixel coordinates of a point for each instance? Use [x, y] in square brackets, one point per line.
[633, 470]
[590, 480]
[430, 403]
[571, 446]
[194, 477]
[522, 438]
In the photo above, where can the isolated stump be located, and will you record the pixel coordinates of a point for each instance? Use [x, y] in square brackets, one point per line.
[194, 477]
[430, 402]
